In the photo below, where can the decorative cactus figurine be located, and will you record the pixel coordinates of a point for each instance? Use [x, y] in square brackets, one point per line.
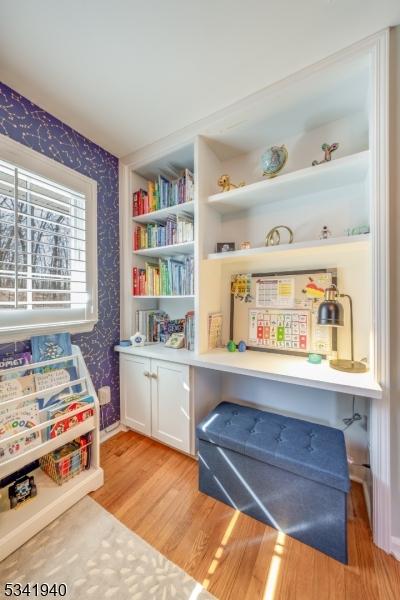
[328, 151]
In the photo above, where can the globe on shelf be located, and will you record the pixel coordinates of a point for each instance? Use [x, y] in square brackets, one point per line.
[273, 160]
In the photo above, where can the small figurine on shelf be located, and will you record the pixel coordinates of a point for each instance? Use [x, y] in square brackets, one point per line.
[232, 347]
[245, 246]
[328, 151]
[224, 182]
[325, 233]
[273, 237]
[138, 339]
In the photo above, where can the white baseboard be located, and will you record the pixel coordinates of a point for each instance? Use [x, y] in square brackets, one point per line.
[106, 435]
[395, 549]
[366, 495]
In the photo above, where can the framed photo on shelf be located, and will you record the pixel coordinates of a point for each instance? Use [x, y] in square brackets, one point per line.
[226, 246]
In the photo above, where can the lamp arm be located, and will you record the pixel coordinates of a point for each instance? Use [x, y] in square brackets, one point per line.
[351, 323]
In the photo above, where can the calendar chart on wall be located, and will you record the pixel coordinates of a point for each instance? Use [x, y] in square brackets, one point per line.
[277, 312]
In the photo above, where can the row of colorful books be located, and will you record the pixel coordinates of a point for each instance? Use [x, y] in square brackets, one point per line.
[166, 277]
[176, 230]
[20, 418]
[163, 193]
[158, 327]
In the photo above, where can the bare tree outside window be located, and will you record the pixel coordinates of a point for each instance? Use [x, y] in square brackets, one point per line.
[42, 243]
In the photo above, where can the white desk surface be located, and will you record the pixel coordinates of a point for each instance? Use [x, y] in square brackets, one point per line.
[267, 365]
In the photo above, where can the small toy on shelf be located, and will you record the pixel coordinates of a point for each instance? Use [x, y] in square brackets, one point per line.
[361, 230]
[273, 237]
[245, 246]
[232, 347]
[21, 490]
[138, 339]
[314, 359]
[328, 151]
[224, 182]
[325, 233]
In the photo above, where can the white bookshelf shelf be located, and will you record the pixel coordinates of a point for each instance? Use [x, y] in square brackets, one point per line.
[332, 245]
[162, 214]
[18, 525]
[36, 452]
[341, 172]
[173, 249]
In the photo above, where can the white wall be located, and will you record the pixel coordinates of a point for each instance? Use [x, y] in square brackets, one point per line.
[395, 275]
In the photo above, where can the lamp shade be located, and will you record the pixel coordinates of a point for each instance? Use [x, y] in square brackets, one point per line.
[330, 312]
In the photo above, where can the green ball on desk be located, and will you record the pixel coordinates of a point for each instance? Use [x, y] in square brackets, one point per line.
[231, 346]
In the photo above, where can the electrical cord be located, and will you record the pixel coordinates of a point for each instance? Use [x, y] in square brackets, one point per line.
[348, 421]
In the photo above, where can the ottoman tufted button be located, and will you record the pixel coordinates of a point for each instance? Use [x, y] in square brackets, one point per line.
[235, 413]
[278, 439]
[312, 434]
[252, 430]
[258, 420]
[282, 427]
[310, 448]
[228, 422]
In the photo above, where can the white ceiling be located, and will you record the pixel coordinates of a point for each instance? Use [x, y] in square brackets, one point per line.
[128, 72]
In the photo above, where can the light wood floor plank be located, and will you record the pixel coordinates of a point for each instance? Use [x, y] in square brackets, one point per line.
[152, 489]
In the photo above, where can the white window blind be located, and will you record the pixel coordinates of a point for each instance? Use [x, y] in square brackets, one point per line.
[44, 267]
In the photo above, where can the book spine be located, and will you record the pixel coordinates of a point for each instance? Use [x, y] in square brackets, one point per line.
[135, 278]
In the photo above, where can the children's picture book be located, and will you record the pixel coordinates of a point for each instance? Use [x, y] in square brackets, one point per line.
[9, 361]
[48, 347]
[18, 420]
[74, 402]
[13, 388]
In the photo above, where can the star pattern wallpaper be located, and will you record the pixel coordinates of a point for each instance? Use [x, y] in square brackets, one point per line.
[28, 124]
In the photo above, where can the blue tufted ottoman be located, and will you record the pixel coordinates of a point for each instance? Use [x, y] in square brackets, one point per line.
[288, 473]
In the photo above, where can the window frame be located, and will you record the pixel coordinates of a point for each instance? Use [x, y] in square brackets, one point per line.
[25, 158]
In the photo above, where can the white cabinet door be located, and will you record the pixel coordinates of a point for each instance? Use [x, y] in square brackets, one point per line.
[170, 398]
[135, 384]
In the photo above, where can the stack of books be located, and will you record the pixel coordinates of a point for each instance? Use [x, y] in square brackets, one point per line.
[163, 193]
[166, 277]
[176, 230]
[158, 327]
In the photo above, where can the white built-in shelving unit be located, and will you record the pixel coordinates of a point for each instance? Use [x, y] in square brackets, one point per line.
[20, 524]
[341, 99]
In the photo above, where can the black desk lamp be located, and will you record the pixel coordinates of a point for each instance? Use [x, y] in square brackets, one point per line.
[330, 312]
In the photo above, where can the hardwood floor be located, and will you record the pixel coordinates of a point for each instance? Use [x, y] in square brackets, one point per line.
[153, 491]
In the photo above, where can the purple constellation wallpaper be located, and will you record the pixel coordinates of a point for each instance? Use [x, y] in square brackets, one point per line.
[28, 124]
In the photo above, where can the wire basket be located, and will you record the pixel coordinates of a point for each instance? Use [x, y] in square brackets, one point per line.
[68, 461]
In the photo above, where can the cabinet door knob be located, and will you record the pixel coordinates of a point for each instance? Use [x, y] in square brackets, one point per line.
[147, 374]
[153, 375]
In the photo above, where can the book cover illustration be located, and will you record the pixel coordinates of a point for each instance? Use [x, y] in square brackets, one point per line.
[55, 412]
[49, 347]
[14, 388]
[9, 361]
[18, 420]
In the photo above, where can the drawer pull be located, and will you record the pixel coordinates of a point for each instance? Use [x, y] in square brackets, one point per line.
[147, 374]
[153, 375]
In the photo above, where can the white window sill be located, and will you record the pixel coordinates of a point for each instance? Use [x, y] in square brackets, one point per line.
[16, 334]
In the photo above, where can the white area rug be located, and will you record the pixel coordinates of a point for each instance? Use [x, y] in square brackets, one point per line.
[98, 557]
